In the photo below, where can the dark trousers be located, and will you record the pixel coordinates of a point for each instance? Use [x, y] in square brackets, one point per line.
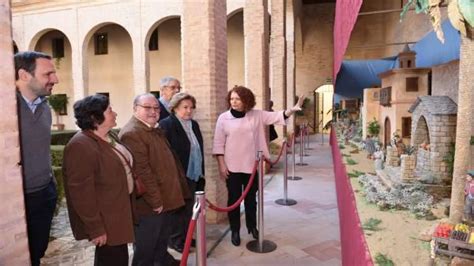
[184, 214]
[40, 206]
[111, 255]
[151, 240]
[236, 183]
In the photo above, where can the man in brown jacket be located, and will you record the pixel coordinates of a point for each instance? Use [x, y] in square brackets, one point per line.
[155, 164]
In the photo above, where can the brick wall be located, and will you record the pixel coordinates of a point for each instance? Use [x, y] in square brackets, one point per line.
[203, 33]
[13, 238]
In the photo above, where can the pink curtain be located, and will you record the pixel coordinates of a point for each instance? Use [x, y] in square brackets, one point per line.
[354, 249]
[346, 16]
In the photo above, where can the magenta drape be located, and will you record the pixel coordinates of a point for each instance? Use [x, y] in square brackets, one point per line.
[346, 16]
[354, 249]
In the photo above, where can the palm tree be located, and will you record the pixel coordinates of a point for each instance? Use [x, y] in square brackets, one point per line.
[463, 132]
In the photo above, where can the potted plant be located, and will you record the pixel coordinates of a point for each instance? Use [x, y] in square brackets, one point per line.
[58, 103]
[373, 128]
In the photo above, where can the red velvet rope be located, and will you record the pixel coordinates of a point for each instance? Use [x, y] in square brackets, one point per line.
[187, 244]
[279, 155]
[244, 194]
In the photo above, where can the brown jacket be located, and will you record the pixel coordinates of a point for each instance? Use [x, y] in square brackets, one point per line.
[96, 190]
[155, 164]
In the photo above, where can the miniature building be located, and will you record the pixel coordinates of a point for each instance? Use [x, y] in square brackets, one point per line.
[400, 89]
[434, 132]
[370, 108]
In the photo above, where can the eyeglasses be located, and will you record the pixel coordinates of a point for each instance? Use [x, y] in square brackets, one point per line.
[175, 87]
[149, 108]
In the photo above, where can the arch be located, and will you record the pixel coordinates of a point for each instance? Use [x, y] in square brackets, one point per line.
[166, 59]
[323, 101]
[422, 133]
[110, 70]
[235, 48]
[37, 36]
[386, 132]
[55, 43]
[234, 12]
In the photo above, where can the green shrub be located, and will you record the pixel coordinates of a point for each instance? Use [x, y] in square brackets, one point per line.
[351, 161]
[372, 224]
[61, 137]
[355, 173]
[57, 155]
[341, 146]
[58, 174]
[373, 128]
[383, 260]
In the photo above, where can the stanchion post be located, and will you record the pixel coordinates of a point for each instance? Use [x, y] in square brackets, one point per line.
[306, 139]
[301, 163]
[293, 154]
[201, 251]
[261, 245]
[285, 201]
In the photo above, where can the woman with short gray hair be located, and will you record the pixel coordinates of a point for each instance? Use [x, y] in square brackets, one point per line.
[185, 138]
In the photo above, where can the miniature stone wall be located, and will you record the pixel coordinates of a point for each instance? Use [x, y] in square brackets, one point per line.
[433, 132]
[423, 165]
[392, 156]
[408, 163]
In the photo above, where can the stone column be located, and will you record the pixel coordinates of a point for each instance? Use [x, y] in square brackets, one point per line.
[13, 237]
[256, 50]
[290, 60]
[139, 65]
[278, 58]
[79, 70]
[204, 71]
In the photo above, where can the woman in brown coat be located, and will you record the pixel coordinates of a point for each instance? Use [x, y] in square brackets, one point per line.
[98, 182]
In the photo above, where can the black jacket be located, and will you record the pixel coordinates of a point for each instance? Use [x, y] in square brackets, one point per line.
[163, 112]
[179, 140]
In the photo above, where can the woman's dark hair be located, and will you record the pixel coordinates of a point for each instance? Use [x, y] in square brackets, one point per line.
[89, 112]
[246, 96]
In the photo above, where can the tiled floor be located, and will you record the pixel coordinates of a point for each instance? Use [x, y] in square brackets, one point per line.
[305, 234]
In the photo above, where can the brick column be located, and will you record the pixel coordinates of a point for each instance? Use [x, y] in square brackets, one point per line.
[290, 60]
[13, 237]
[256, 50]
[204, 68]
[278, 57]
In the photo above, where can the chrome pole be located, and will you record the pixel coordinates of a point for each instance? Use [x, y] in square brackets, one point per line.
[301, 163]
[201, 251]
[293, 154]
[260, 245]
[285, 201]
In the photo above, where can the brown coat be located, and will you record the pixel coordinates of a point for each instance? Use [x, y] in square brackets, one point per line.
[156, 165]
[96, 189]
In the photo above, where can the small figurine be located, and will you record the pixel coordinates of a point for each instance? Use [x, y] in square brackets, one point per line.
[370, 147]
[469, 193]
[397, 143]
[379, 157]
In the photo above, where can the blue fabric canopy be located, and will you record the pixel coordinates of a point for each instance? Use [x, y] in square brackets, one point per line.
[355, 75]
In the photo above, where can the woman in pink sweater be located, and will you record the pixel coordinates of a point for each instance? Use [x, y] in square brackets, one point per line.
[240, 133]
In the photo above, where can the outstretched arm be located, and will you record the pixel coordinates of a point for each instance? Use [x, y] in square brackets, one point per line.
[297, 106]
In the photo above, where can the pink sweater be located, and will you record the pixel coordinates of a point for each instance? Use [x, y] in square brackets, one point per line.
[239, 139]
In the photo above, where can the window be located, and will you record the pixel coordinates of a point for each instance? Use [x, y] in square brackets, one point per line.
[412, 84]
[100, 43]
[376, 96]
[57, 47]
[106, 94]
[153, 44]
[406, 127]
[409, 64]
[386, 96]
[156, 93]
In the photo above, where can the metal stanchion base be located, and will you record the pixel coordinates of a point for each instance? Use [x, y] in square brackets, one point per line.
[267, 246]
[301, 164]
[294, 178]
[309, 148]
[306, 155]
[286, 202]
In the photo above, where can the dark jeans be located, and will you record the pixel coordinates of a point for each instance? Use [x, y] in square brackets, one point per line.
[151, 240]
[40, 206]
[184, 214]
[236, 183]
[111, 255]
